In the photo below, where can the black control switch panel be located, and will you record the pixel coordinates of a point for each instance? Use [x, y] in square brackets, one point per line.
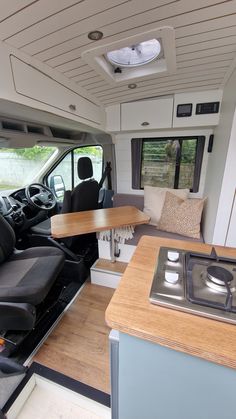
[205, 108]
[184, 110]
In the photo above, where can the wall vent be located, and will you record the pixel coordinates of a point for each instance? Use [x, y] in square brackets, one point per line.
[35, 130]
[13, 126]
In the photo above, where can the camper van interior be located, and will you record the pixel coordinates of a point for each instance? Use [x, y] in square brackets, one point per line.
[118, 209]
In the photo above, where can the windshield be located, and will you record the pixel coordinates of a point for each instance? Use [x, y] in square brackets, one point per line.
[19, 166]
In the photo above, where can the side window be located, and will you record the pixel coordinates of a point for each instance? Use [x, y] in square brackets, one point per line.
[64, 176]
[167, 162]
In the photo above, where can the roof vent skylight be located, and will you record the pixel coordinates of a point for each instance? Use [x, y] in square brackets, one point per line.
[135, 55]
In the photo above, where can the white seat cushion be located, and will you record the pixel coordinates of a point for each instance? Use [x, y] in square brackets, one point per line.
[154, 198]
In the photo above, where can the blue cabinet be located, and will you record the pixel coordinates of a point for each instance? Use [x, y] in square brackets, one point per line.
[159, 383]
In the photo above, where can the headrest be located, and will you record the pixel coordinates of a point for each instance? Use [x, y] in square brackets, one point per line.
[85, 168]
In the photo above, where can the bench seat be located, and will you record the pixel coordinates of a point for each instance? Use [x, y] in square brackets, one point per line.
[120, 200]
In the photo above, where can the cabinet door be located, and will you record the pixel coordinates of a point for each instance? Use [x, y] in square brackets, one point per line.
[148, 114]
[34, 84]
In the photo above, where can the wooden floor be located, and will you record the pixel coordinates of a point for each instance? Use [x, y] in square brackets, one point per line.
[78, 347]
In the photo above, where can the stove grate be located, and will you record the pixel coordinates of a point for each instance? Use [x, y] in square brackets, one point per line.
[204, 260]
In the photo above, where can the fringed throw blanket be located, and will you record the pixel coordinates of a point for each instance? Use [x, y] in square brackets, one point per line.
[120, 234]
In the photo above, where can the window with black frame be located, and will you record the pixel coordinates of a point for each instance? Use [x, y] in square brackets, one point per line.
[173, 162]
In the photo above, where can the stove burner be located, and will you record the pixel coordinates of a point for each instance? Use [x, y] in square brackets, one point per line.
[206, 284]
[218, 279]
[219, 275]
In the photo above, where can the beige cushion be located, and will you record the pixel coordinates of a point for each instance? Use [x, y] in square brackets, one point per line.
[181, 216]
[154, 198]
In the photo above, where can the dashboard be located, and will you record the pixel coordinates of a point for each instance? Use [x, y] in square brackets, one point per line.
[16, 209]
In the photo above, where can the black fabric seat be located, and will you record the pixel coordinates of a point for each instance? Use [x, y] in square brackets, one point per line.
[43, 228]
[83, 197]
[26, 276]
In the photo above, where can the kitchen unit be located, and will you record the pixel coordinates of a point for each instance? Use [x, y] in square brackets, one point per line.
[172, 364]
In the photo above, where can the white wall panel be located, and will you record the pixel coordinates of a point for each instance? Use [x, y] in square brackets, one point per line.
[216, 219]
[224, 231]
[231, 234]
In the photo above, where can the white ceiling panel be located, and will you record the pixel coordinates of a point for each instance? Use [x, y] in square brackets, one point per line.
[55, 32]
[197, 71]
[63, 21]
[38, 12]
[12, 7]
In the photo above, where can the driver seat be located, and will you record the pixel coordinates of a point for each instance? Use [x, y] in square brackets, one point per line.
[84, 197]
[26, 277]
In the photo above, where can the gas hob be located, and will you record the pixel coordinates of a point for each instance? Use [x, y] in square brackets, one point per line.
[199, 284]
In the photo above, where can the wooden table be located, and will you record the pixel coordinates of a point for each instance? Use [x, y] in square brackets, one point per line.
[84, 222]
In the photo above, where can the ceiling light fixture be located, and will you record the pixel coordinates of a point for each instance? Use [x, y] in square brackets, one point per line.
[132, 86]
[95, 35]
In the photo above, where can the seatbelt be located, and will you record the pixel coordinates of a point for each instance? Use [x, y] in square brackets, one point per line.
[106, 174]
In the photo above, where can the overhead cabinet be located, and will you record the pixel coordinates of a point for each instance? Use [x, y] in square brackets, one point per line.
[34, 84]
[148, 114]
[195, 109]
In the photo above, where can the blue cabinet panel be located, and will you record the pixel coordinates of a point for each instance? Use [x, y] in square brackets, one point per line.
[159, 383]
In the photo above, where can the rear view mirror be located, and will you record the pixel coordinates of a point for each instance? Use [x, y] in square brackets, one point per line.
[57, 185]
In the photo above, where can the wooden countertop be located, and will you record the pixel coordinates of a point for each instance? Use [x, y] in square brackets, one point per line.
[83, 222]
[131, 312]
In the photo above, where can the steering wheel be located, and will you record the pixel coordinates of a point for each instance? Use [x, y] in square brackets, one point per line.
[44, 199]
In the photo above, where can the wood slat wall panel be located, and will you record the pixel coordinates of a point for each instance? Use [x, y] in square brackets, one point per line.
[76, 71]
[76, 36]
[85, 76]
[127, 26]
[38, 11]
[185, 61]
[79, 62]
[166, 15]
[54, 24]
[163, 84]
[193, 75]
[93, 79]
[71, 65]
[205, 40]
[217, 23]
[209, 25]
[97, 13]
[9, 8]
[172, 91]
[90, 85]
[108, 30]
[200, 46]
[208, 52]
[179, 87]
[186, 52]
[218, 35]
[187, 67]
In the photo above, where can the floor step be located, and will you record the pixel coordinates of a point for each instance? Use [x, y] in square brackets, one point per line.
[107, 273]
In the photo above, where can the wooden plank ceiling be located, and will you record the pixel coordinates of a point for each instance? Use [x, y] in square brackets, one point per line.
[55, 32]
